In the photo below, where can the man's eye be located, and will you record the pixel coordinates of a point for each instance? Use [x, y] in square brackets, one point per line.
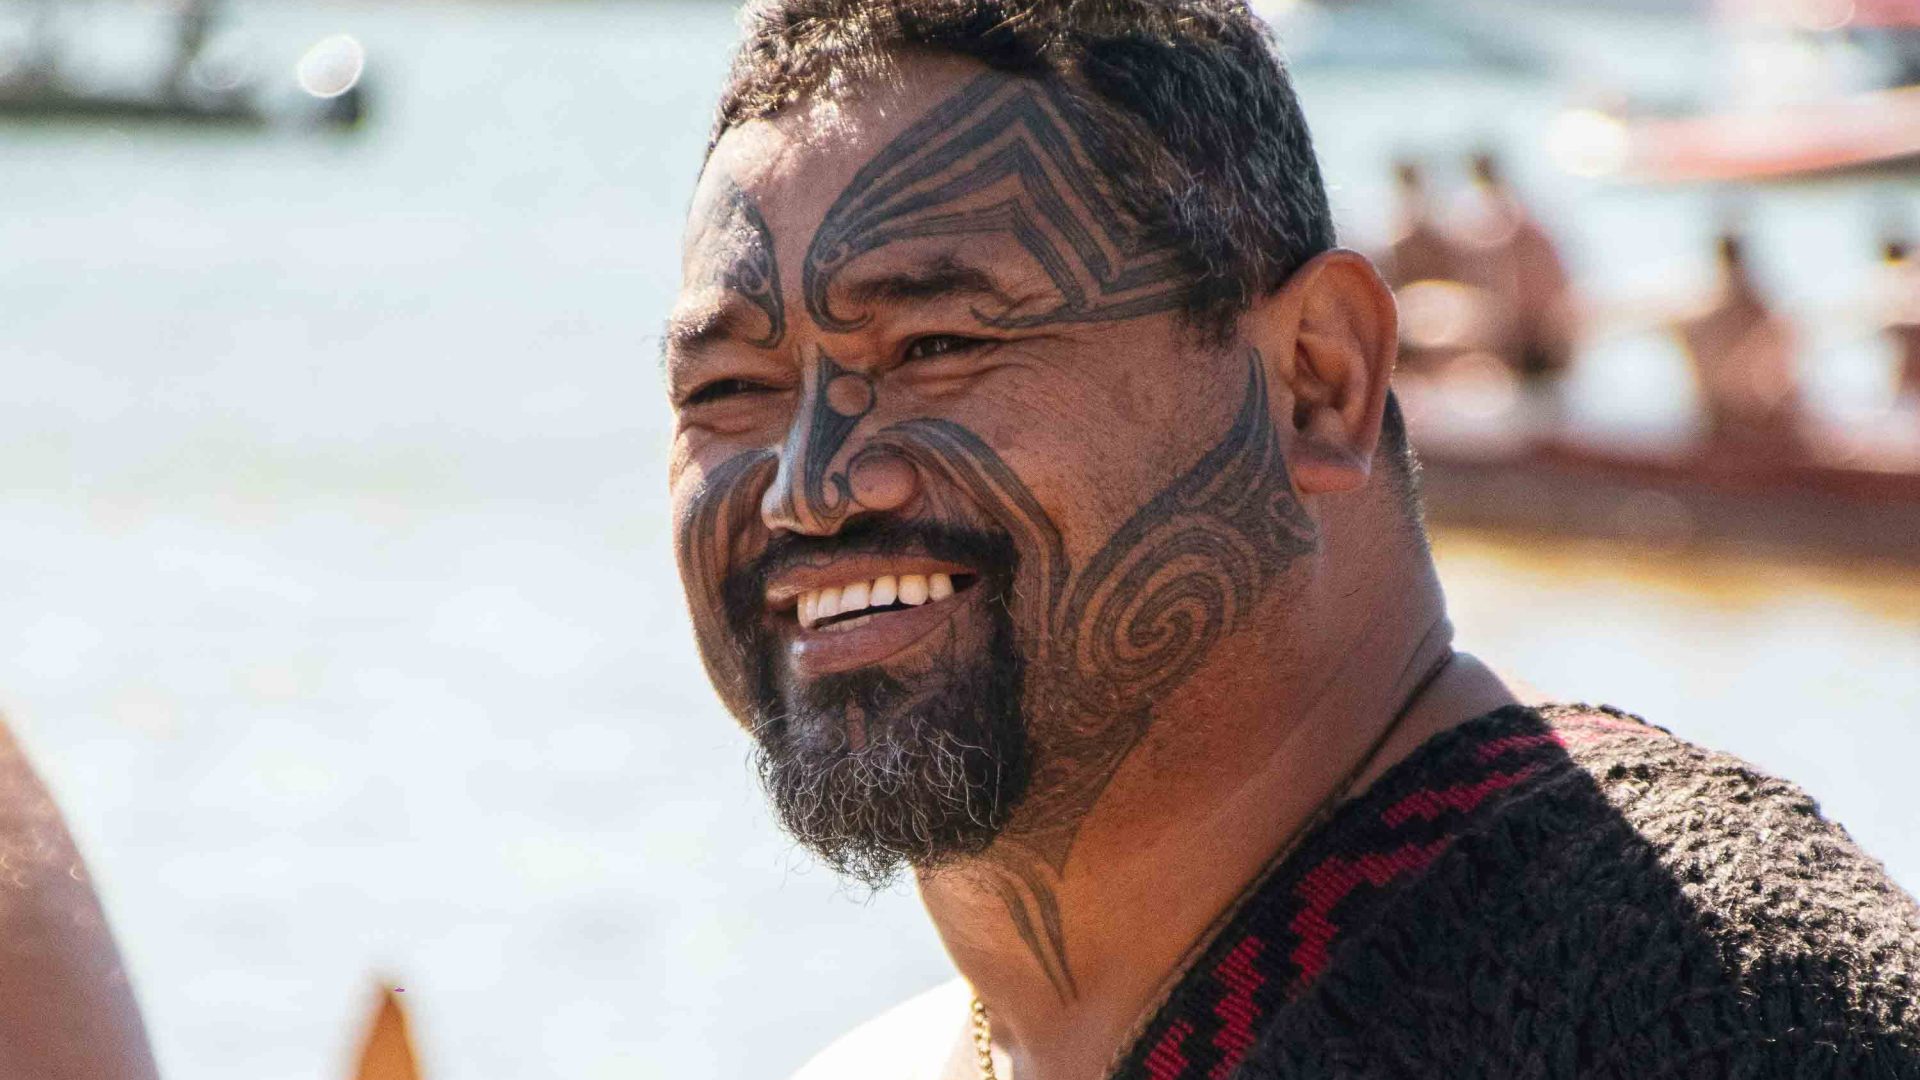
[934, 345]
[720, 389]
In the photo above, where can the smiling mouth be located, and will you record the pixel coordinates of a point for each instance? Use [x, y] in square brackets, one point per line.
[855, 603]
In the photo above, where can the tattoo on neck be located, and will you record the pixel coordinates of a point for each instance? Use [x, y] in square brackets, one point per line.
[1000, 157]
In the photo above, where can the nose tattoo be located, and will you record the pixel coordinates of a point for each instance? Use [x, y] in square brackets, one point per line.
[842, 398]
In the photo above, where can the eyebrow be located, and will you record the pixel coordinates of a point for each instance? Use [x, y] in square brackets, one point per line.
[698, 332]
[940, 277]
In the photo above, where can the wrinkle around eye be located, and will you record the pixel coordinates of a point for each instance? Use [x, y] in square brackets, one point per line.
[935, 346]
[723, 389]
[725, 410]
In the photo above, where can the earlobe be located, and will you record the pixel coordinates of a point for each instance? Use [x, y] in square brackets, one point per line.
[1329, 337]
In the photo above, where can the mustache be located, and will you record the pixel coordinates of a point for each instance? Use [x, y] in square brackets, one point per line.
[991, 553]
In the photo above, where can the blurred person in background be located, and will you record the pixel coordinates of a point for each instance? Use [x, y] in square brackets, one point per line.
[193, 29]
[1742, 352]
[1447, 313]
[1899, 303]
[1420, 247]
[66, 1009]
[1517, 259]
[1046, 518]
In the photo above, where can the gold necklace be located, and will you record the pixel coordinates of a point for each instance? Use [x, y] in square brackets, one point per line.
[983, 1028]
[983, 1040]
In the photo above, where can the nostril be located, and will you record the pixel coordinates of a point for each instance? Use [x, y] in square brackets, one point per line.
[881, 481]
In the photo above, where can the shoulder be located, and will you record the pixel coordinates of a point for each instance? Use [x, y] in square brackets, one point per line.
[1736, 840]
[1751, 850]
[911, 1041]
[66, 1008]
[1691, 872]
[1613, 900]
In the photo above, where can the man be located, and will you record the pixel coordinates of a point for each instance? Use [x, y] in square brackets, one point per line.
[1742, 352]
[1044, 517]
[1898, 284]
[1420, 248]
[1518, 253]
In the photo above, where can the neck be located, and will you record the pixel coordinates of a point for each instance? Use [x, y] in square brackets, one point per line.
[1070, 961]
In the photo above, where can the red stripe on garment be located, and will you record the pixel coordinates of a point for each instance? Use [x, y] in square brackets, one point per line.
[1331, 882]
[1235, 1008]
[1166, 1061]
[1494, 748]
[1430, 803]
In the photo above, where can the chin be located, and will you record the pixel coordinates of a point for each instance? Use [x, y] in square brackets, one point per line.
[917, 762]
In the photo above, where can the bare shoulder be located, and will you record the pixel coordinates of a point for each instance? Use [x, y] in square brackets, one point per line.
[66, 1009]
[914, 1040]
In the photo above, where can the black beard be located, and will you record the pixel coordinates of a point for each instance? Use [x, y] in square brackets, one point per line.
[875, 770]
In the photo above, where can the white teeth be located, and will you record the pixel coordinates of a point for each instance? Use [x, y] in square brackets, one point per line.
[817, 605]
[853, 597]
[913, 589]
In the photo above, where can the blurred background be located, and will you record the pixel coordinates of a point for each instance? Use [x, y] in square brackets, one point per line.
[336, 597]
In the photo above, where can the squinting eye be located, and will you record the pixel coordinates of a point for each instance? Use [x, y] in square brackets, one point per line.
[940, 345]
[724, 388]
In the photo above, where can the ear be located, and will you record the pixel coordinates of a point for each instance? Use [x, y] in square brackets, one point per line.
[1328, 338]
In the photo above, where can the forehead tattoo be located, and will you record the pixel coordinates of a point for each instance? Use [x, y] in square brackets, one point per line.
[736, 253]
[1003, 156]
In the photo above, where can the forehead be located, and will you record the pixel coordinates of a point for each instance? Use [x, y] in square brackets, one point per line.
[905, 195]
[795, 164]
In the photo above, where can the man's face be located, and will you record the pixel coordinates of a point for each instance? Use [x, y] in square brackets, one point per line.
[956, 496]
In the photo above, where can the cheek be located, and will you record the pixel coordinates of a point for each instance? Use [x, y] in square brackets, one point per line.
[715, 522]
[1094, 457]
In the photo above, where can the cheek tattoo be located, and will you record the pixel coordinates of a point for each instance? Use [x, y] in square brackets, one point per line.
[1107, 639]
[720, 511]
[1138, 620]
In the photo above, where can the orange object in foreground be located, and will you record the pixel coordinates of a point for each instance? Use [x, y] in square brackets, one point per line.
[387, 1053]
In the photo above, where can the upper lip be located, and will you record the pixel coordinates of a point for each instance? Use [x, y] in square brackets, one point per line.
[784, 588]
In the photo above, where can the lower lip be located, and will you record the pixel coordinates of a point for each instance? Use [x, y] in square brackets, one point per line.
[873, 640]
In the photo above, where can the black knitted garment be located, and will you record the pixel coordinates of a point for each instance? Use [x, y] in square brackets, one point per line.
[1557, 893]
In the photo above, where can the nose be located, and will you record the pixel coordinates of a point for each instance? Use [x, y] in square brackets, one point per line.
[826, 475]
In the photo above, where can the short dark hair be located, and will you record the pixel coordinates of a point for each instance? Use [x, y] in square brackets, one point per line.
[1194, 90]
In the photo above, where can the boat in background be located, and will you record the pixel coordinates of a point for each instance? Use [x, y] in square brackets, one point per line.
[1814, 88]
[199, 87]
[1877, 131]
[1668, 498]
